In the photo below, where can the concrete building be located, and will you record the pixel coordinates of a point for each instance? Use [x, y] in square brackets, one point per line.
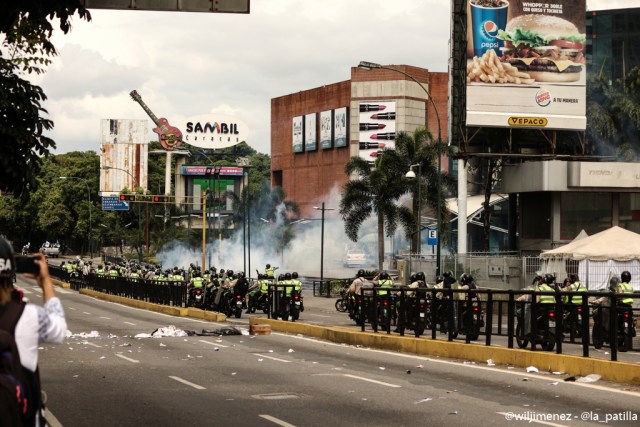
[308, 167]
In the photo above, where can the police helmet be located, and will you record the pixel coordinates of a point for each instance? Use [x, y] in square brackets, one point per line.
[464, 278]
[240, 273]
[229, 273]
[625, 276]
[549, 279]
[574, 278]
[268, 265]
[536, 280]
[413, 277]
[566, 282]
[439, 279]
[384, 275]
[294, 275]
[448, 273]
[7, 260]
[360, 273]
[287, 276]
[420, 276]
[281, 277]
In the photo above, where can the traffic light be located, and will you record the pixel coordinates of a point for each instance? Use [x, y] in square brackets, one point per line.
[127, 197]
[159, 199]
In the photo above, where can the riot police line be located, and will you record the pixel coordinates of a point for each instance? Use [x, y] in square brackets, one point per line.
[486, 312]
[282, 300]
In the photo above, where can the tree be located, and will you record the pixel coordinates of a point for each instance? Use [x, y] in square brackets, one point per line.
[420, 148]
[373, 191]
[26, 49]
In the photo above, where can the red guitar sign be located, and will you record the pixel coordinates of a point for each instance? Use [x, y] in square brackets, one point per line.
[170, 137]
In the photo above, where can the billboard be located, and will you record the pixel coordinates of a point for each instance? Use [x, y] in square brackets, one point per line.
[124, 152]
[526, 64]
[297, 125]
[340, 126]
[326, 129]
[214, 131]
[377, 128]
[310, 132]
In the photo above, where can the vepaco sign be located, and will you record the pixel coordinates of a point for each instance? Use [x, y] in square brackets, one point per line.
[213, 131]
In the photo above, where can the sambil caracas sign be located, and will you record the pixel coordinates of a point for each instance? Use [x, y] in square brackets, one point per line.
[213, 131]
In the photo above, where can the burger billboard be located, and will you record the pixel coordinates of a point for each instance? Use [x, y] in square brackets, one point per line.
[526, 64]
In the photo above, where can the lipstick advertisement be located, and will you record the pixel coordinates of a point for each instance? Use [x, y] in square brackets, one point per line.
[310, 132]
[526, 64]
[377, 128]
[340, 125]
[326, 129]
[298, 135]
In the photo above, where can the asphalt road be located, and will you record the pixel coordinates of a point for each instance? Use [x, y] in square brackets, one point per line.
[109, 377]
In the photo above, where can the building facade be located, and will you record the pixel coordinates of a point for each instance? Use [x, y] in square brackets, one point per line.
[308, 151]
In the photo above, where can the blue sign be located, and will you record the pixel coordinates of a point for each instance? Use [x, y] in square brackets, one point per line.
[432, 236]
[113, 203]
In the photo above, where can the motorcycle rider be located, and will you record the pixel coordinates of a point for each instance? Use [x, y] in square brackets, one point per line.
[195, 283]
[297, 286]
[383, 283]
[270, 271]
[603, 303]
[625, 288]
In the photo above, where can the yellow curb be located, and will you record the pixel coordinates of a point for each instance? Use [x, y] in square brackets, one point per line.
[159, 308]
[622, 372]
[60, 283]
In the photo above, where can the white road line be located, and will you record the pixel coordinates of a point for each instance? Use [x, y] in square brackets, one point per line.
[277, 421]
[105, 317]
[190, 384]
[318, 315]
[127, 358]
[26, 292]
[51, 419]
[530, 420]
[63, 291]
[372, 381]
[213, 343]
[86, 312]
[129, 323]
[72, 308]
[92, 344]
[273, 358]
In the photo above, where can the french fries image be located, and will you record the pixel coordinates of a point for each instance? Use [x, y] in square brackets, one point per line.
[489, 69]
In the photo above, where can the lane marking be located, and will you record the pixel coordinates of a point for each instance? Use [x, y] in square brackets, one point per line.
[127, 358]
[92, 344]
[372, 381]
[469, 366]
[213, 343]
[530, 420]
[72, 308]
[190, 384]
[129, 323]
[63, 291]
[276, 420]
[86, 312]
[319, 315]
[273, 358]
[105, 317]
[51, 419]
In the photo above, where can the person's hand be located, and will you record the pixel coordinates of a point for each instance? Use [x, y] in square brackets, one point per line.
[44, 270]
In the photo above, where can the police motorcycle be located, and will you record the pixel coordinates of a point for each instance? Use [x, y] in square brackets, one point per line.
[624, 322]
[196, 297]
[543, 329]
[444, 309]
[232, 299]
[417, 306]
[343, 303]
[471, 316]
[289, 300]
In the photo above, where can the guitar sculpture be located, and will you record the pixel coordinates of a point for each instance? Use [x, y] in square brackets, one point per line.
[170, 137]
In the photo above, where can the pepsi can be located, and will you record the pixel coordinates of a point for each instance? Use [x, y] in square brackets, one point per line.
[486, 21]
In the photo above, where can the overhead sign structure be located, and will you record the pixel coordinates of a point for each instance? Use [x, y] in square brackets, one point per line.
[212, 6]
[526, 60]
[113, 203]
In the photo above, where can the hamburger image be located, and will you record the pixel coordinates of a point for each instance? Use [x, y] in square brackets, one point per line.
[548, 48]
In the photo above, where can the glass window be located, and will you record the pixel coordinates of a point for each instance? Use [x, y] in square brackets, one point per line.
[602, 24]
[629, 212]
[633, 21]
[536, 215]
[588, 211]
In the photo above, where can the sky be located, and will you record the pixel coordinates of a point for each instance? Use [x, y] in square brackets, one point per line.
[189, 64]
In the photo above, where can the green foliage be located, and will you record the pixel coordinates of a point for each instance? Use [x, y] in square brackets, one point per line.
[26, 49]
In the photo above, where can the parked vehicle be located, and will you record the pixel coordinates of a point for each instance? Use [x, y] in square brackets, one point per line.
[355, 258]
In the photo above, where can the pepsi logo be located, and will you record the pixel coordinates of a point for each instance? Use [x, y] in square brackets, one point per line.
[490, 29]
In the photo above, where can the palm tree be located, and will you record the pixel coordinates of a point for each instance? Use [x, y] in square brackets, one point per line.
[373, 190]
[420, 149]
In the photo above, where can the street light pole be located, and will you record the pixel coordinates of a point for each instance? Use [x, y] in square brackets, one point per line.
[89, 196]
[322, 246]
[369, 65]
[411, 174]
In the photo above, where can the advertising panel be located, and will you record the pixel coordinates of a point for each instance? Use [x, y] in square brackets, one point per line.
[326, 129]
[377, 128]
[124, 152]
[340, 126]
[298, 134]
[526, 64]
[214, 131]
[310, 132]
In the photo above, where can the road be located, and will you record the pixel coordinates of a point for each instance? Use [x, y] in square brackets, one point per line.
[113, 378]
